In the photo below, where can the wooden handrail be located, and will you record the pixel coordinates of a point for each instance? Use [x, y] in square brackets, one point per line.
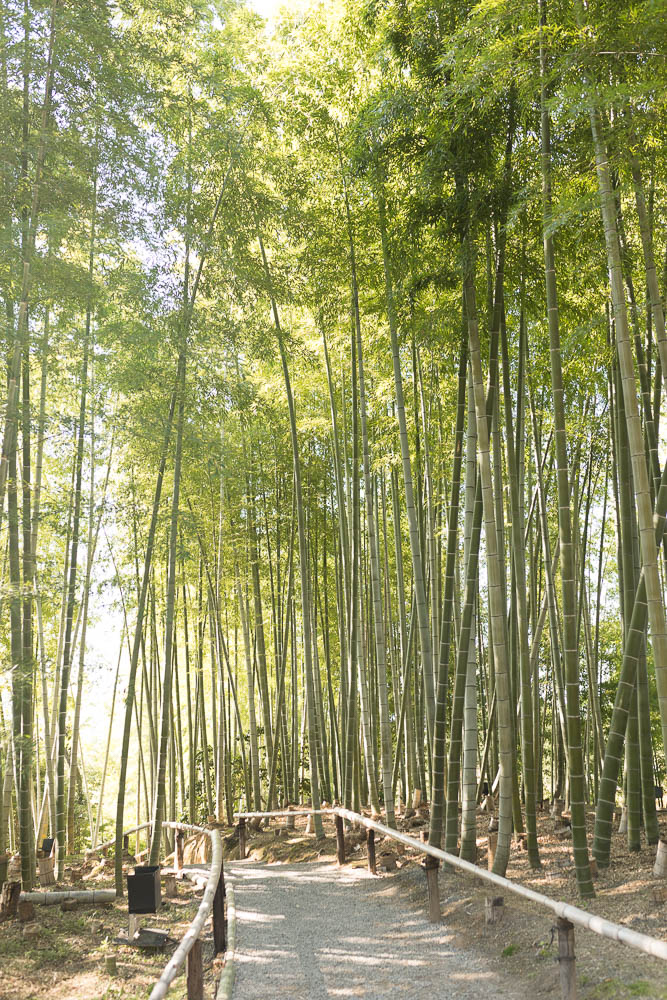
[573, 914]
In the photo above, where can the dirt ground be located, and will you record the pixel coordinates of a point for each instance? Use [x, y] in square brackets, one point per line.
[66, 956]
[524, 941]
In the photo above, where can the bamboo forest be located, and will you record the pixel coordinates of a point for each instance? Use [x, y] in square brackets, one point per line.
[333, 498]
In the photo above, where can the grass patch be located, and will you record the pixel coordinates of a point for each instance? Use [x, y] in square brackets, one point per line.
[614, 989]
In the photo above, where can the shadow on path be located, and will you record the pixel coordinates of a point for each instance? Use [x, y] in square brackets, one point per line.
[312, 931]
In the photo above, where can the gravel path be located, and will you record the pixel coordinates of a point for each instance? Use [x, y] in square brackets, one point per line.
[311, 931]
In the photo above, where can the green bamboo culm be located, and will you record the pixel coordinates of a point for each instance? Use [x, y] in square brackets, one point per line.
[567, 568]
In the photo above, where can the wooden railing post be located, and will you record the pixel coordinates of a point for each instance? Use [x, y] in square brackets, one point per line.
[370, 848]
[195, 972]
[178, 853]
[242, 838]
[493, 909]
[219, 926]
[340, 840]
[431, 866]
[566, 961]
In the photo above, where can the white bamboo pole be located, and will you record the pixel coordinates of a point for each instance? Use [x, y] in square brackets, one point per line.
[80, 895]
[98, 817]
[226, 981]
[126, 833]
[174, 964]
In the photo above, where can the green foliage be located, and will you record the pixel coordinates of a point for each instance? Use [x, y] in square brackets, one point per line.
[171, 116]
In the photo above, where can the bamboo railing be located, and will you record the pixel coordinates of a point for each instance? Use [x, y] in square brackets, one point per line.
[567, 914]
[189, 948]
[126, 833]
[212, 900]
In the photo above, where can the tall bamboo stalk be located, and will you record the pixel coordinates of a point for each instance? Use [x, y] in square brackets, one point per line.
[568, 584]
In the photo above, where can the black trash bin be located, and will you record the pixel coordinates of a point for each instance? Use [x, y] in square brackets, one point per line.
[144, 893]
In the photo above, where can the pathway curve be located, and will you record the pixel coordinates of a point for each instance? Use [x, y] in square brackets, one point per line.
[313, 931]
